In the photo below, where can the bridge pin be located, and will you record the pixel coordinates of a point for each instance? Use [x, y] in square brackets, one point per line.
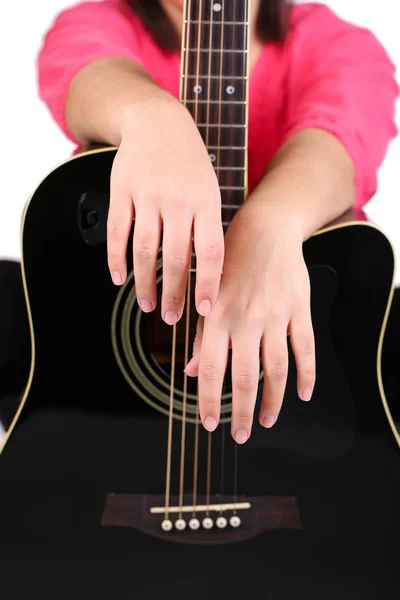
[208, 523]
[194, 524]
[166, 525]
[180, 524]
[235, 521]
[222, 522]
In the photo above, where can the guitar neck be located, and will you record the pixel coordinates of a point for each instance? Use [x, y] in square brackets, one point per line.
[214, 88]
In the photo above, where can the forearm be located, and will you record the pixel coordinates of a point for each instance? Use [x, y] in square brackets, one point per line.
[308, 184]
[106, 95]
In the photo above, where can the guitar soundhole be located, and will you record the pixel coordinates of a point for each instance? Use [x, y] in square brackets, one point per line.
[159, 341]
[143, 348]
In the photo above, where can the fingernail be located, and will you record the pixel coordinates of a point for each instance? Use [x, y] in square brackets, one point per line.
[241, 436]
[116, 277]
[204, 308]
[171, 317]
[269, 421]
[146, 305]
[210, 423]
[306, 395]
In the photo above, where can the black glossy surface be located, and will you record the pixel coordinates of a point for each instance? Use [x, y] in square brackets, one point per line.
[84, 434]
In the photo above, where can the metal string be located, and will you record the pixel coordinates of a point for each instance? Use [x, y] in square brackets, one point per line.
[197, 424]
[186, 42]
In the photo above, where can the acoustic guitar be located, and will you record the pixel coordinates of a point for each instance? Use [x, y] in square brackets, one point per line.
[109, 483]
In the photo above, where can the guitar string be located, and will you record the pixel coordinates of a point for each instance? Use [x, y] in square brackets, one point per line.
[170, 421]
[210, 54]
[197, 423]
[245, 70]
[218, 161]
[186, 35]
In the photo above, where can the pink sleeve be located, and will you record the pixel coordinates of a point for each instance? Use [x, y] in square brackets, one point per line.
[78, 36]
[341, 79]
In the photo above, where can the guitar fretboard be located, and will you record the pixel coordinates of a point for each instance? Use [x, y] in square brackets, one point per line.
[214, 89]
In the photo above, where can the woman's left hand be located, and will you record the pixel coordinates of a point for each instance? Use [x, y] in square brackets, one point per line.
[264, 296]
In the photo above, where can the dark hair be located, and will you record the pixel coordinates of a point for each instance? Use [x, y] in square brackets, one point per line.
[272, 21]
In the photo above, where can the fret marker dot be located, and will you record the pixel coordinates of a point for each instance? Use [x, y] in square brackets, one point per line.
[230, 90]
[213, 158]
[217, 7]
[197, 89]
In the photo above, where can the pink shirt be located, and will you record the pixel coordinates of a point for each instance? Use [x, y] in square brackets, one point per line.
[328, 74]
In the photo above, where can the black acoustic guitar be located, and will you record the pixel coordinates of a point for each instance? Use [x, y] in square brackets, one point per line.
[109, 485]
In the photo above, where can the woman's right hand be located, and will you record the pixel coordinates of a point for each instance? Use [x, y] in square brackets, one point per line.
[163, 178]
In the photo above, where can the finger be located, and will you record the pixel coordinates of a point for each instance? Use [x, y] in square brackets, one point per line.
[245, 375]
[275, 365]
[209, 248]
[303, 345]
[119, 225]
[212, 367]
[146, 241]
[176, 262]
[193, 365]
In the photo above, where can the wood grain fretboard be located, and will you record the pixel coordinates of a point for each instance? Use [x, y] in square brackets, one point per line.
[214, 88]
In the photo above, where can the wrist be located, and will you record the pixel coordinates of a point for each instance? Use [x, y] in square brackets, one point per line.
[277, 218]
[140, 112]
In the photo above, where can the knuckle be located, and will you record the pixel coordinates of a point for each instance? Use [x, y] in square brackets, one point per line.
[211, 405]
[213, 251]
[171, 300]
[308, 347]
[277, 311]
[244, 382]
[176, 263]
[143, 253]
[210, 373]
[113, 229]
[175, 200]
[242, 420]
[309, 373]
[278, 371]
[114, 256]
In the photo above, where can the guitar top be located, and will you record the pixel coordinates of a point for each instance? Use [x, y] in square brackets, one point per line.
[108, 480]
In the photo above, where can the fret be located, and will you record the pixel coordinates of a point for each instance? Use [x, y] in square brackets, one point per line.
[232, 187]
[215, 50]
[215, 86]
[228, 11]
[230, 206]
[227, 157]
[211, 62]
[223, 136]
[231, 179]
[216, 22]
[214, 89]
[230, 102]
[229, 125]
[233, 77]
[230, 168]
[216, 35]
[210, 115]
[226, 147]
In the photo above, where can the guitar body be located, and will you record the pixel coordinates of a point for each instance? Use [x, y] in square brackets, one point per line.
[85, 430]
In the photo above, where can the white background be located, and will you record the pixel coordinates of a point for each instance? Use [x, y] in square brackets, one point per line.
[32, 144]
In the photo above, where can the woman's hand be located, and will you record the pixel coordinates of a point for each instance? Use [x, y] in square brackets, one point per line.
[163, 178]
[264, 296]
